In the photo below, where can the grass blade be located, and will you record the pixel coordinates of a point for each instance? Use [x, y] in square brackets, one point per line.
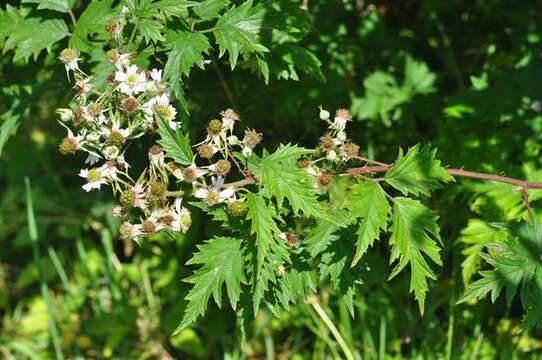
[33, 232]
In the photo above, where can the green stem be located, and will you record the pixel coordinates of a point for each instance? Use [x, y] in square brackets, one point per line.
[331, 326]
[72, 17]
[33, 232]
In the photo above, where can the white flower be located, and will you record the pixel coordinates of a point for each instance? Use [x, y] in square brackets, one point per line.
[132, 81]
[78, 141]
[95, 178]
[91, 159]
[109, 170]
[139, 196]
[129, 231]
[229, 117]
[156, 75]
[116, 131]
[102, 120]
[83, 86]
[69, 58]
[161, 106]
[181, 217]
[190, 173]
[214, 195]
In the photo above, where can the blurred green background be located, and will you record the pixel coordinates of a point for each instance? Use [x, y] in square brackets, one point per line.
[463, 75]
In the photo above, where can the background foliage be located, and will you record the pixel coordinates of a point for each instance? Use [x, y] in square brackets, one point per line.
[463, 75]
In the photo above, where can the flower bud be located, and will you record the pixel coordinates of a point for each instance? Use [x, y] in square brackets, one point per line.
[232, 140]
[247, 152]
[65, 114]
[331, 155]
[324, 114]
[111, 152]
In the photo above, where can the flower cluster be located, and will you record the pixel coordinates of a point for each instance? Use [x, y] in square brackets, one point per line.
[334, 149]
[135, 102]
[102, 122]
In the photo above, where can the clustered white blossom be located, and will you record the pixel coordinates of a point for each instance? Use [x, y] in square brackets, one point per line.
[334, 149]
[102, 123]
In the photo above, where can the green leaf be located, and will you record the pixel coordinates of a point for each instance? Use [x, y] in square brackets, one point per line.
[187, 50]
[237, 31]
[294, 284]
[476, 236]
[414, 232]
[281, 178]
[334, 264]
[320, 236]
[263, 225]
[62, 6]
[418, 78]
[222, 263]
[176, 146]
[35, 35]
[91, 22]
[368, 204]
[173, 7]
[11, 19]
[270, 251]
[151, 30]
[515, 260]
[210, 9]
[8, 127]
[417, 172]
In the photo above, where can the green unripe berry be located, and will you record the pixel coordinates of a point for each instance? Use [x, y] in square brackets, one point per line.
[127, 198]
[237, 208]
[214, 127]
